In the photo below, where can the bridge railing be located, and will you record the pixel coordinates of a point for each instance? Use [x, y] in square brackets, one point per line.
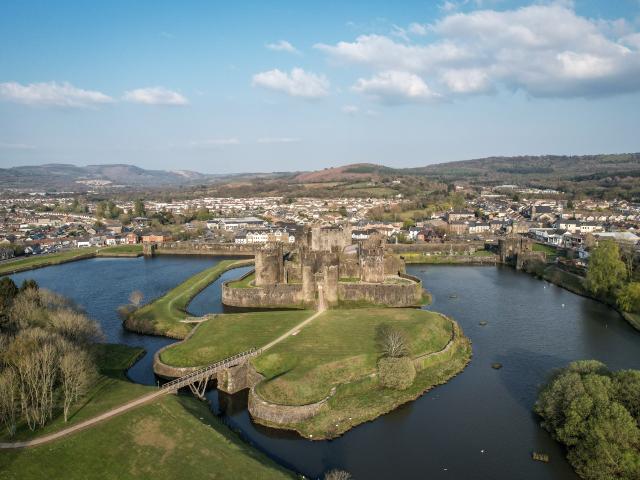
[206, 371]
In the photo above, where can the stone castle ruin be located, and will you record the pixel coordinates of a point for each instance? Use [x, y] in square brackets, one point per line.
[324, 269]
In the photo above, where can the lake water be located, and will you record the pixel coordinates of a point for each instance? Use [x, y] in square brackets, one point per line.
[477, 426]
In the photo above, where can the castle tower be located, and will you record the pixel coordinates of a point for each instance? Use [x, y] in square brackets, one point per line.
[372, 264]
[269, 265]
[330, 284]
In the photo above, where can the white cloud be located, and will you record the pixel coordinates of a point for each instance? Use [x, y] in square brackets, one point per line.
[16, 146]
[395, 87]
[214, 142]
[520, 49]
[155, 96]
[278, 140]
[418, 29]
[282, 46]
[350, 109]
[297, 83]
[51, 94]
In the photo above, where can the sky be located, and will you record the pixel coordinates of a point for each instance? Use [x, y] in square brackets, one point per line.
[255, 86]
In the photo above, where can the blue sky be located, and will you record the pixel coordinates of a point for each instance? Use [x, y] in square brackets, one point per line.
[274, 86]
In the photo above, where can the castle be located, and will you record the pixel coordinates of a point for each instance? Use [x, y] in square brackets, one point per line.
[325, 269]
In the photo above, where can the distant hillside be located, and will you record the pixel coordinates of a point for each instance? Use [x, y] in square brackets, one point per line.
[356, 171]
[72, 177]
[532, 169]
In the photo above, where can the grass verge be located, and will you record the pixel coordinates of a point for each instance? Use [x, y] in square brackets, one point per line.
[121, 251]
[163, 316]
[38, 261]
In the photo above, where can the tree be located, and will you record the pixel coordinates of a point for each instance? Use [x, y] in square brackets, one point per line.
[138, 209]
[136, 298]
[591, 411]
[337, 475]
[29, 284]
[392, 341]
[9, 401]
[629, 297]
[8, 291]
[75, 374]
[628, 253]
[606, 271]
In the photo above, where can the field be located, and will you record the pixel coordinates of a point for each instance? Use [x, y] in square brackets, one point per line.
[340, 347]
[110, 389]
[174, 437]
[226, 335]
[163, 316]
[550, 252]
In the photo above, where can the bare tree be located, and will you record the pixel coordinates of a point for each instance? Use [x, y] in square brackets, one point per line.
[337, 475]
[392, 341]
[74, 326]
[628, 254]
[9, 400]
[75, 377]
[136, 298]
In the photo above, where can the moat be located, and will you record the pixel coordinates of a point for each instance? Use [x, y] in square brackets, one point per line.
[479, 425]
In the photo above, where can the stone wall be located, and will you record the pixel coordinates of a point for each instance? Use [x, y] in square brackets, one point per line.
[393, 265]
[382, 294]
[268, 296]
[372, 265]
[276, 414]
[199, 248]
[234, 379]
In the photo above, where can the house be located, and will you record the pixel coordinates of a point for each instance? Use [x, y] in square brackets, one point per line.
[231, 224]
[458, 215]
[131, 238]
[458, 227]
[155, 238]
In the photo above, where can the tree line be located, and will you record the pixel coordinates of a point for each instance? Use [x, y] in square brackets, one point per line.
[45, 360]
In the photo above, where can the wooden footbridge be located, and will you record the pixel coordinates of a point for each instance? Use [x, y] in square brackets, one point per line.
[197, 381]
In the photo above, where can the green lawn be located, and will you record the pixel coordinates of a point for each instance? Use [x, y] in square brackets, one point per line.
[110, 389]
[243, 283]
[174, 437]
[550, 252]
[226, 335]
[340, 347]
[163, 316]
[445, 258]
[37, 261]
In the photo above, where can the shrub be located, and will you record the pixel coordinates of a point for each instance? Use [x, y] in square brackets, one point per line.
[629, 297]
[397, 373]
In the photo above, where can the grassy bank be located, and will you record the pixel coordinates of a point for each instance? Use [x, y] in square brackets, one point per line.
[174, 437]
[226, 335]
[480, 256]
[243, 282]
[32, 262]
[340, 347]
[110, 389]
[163, 316]
[38, 261]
